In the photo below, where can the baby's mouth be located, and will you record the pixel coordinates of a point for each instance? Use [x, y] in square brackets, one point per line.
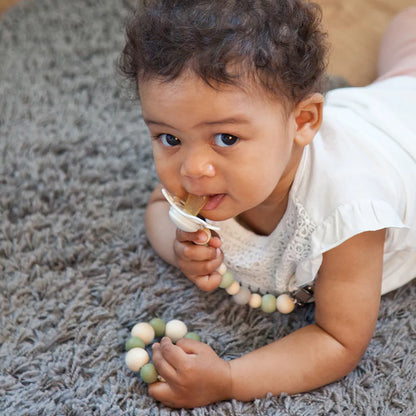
[213, 202]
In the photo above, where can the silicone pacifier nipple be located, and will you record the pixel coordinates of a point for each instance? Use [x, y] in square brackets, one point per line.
[194, 203]
[184, 215]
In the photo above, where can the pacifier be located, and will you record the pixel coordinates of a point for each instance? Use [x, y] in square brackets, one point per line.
[184, 214]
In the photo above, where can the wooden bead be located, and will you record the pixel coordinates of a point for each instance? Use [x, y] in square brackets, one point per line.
[136, 358]
[285, 304]
[175, 330]
[222, 269]
[234, 288]
[243, 296]
[255, 300]
[144, 331]
[268, 303]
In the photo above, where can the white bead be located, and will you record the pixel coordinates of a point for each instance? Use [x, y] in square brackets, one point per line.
[243, 296]
[222, 269]
[285, 304]
[144, 331]
[175, 330]
[136, 358]
[255, 300]
[234, 288]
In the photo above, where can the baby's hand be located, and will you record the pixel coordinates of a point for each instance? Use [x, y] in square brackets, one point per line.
[194, 374]
[198, 261]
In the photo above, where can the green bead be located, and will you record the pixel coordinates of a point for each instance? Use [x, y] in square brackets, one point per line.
[134, 342]
[268, 303]
[227, 280]
[159, 326]
[148, 373]
[193, 335]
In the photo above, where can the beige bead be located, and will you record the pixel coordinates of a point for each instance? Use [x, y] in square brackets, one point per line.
[285, 304]
[175, 330]
[255, 300]
[136, 358]
[234, 288]
[144, 331]
[222, 269]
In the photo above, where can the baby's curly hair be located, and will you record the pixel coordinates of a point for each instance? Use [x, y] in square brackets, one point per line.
[278, 42]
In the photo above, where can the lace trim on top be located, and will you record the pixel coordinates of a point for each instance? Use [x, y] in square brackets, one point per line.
[268, 263]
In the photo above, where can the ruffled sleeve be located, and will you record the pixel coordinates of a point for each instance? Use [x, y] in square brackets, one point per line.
[345, 222]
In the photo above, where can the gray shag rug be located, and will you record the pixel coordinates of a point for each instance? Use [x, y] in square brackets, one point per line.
[76, 270]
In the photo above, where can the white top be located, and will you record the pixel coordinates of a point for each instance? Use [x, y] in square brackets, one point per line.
[358, 174]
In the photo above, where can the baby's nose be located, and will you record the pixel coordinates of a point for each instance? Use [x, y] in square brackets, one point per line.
[197, 165]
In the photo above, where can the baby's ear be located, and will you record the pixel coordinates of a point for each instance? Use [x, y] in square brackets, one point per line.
[308, 117]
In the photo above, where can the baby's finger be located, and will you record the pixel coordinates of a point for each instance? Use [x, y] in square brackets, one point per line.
[162, 392]
[189, 251]
[215, 241]
[171, 353]
[198, 237]
[208, 282]
[163, 367]
[199, 268]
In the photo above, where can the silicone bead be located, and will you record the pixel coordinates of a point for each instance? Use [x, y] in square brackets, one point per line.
[144, 331]
[285, 304]
[255, 301]
[234, 288]
[268, 303]
[136, 358]
[193, 335]
[227, 280]
[222, 269]
[158, 325]
[243, 296]
[175, 330]
[134, 342]
[148, 373]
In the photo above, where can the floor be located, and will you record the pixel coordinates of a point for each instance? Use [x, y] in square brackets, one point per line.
[354, 27]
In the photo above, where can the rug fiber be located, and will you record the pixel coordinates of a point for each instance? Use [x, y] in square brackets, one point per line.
[76, 270]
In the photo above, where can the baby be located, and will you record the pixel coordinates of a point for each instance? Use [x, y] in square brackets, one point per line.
[305, 195]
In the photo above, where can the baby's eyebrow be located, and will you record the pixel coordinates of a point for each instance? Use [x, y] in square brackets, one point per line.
[150, 122]
[228, 120]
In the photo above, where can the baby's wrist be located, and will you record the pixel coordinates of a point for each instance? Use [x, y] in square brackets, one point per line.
[228, 386]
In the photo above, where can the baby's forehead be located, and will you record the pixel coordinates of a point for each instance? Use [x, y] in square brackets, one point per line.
[242, 82]
[188, 103]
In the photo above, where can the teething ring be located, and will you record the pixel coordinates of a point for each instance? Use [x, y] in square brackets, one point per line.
[144, 334]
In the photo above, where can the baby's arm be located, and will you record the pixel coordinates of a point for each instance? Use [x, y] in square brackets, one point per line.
[176, 247]
[347, 296]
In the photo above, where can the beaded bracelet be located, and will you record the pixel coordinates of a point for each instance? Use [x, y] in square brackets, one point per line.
[143, 334]
[284, 303]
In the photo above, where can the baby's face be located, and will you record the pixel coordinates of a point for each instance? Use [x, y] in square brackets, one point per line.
[234, 145]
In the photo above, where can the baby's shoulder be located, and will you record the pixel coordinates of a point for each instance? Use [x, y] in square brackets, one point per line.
[345, 168]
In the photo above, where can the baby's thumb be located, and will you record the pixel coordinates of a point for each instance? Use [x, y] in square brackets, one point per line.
[200, 237]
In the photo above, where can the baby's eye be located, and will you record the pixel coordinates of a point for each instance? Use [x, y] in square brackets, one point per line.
[225, 140]
[169, 140]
